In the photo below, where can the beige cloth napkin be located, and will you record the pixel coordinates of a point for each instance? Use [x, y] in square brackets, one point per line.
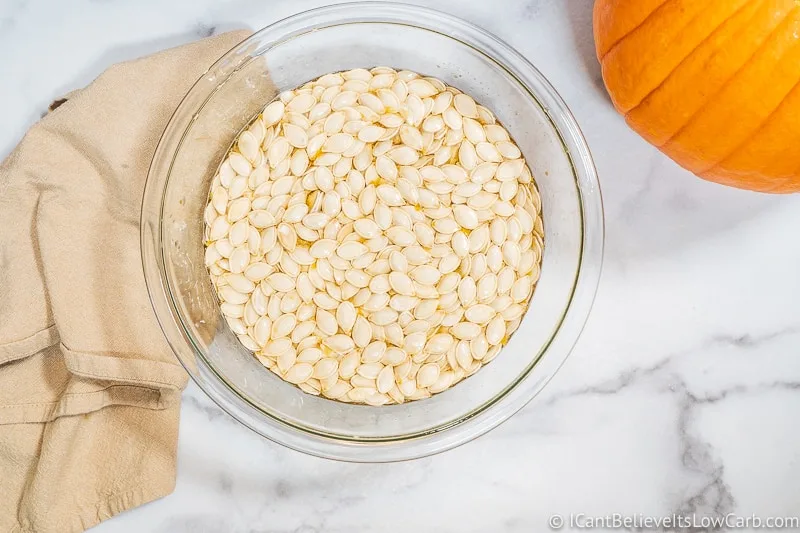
[89, 389]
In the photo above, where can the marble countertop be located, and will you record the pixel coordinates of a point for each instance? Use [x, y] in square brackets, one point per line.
[683, 394]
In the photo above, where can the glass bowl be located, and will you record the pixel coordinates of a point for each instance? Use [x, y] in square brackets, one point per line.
[286, 55]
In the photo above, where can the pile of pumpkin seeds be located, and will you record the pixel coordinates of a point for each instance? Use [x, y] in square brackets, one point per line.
[374, 236]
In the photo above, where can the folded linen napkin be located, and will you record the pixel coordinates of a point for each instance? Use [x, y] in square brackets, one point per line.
[89, 389]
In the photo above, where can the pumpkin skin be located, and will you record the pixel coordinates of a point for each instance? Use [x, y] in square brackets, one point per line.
[714, 84]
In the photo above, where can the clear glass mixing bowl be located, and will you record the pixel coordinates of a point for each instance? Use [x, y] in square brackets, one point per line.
[283, 56]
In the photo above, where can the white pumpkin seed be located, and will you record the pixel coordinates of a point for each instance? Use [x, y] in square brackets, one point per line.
[272, 113]
[496, 330]
[480, 314]
[465, 105]
[426, 275]
[427, 375]
[362, 332]
[350, 250]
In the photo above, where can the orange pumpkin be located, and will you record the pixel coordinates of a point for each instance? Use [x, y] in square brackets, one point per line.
[714, 84]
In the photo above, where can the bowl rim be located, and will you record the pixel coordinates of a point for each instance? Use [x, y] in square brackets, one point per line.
[515, 396]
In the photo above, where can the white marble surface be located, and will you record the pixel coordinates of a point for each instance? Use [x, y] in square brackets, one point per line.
[683, 394]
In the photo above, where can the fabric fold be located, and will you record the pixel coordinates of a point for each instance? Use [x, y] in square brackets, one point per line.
[22, 348]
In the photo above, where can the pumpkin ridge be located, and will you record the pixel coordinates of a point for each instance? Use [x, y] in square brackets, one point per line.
[763, 122]
[718, 59]
[729, 80]
[753, 133]
[699, 15]
[689, 55]
[625, 36]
